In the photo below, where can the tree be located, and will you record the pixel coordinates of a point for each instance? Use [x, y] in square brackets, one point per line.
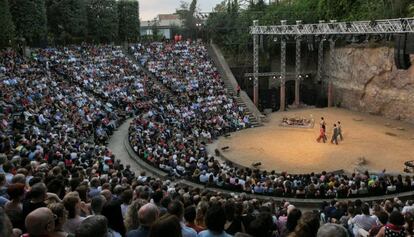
[103, 22]
[411, 10]
[128, 12]
[67, 20]
[187, 15]
[29, 17]
[7, 26]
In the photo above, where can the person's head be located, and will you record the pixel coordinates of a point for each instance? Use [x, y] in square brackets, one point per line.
[97, 204]
[322, 118]
[38, 192]
[382, 217]
[334, 125]
[332, 230]
[190, 214]
[72, 202]
[96, 226]
[40, 222]
[176, 208]
[307, 226]
[339, 122]
[131, 218]
[261, 226]
[396, 218]
[15, 191]
[61, 214]
[148, 214]
[365, 209]
[215, 218]
[292, 219]
[167, 225]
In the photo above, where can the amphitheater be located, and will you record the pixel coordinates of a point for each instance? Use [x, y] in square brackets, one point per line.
[177, 137]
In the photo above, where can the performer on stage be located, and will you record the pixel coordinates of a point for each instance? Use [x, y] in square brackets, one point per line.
[322, 134]
[335, 135]
[340, 131]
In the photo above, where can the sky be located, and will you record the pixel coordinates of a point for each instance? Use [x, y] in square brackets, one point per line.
[148, 9]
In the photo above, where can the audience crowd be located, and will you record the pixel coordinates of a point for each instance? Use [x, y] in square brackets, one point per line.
[58, 177]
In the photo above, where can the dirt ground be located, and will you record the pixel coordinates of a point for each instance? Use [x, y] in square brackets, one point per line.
[384, 144]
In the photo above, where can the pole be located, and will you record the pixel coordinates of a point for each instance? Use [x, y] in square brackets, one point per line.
[298, 68]
[256, 66]
[330, 83]
[283, 71]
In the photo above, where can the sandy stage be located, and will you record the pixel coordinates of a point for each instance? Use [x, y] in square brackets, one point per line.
[384, 143]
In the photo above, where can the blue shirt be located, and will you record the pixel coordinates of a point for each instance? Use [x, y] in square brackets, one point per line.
[187, 231]
[140, 232]
[208, 233]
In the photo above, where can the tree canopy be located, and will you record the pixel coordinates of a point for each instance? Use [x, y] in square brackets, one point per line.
[128, 12]
[229, 24]
[7, 25]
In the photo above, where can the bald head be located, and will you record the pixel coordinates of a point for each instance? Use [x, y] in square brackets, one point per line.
[40, 222]
[148, 214]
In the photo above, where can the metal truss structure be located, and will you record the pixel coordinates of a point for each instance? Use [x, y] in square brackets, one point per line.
[390, 26]
[321, 32]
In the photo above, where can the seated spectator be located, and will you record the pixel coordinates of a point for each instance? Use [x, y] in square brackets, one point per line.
[395, 226]
[72, 203]
[167, 225]
[189, 217]
[131, 218]
[307, 226]
[215, 221]
[34, 199]
[96, 226]
[332, 230]
[176, 208]
[40, 222]
[14, 208]
[365, 220]
[61, 214]
[147, 215]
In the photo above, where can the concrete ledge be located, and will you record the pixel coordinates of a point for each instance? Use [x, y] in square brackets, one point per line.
[300, 202]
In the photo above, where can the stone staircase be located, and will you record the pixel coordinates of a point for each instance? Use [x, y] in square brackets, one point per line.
[255, 119]
[233, 93]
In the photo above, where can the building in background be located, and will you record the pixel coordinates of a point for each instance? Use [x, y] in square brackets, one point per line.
[163, 24]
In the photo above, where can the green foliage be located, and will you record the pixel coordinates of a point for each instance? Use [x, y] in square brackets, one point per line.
[7, 26]
[411, 10]
[67, 20]
[187, 15]
[29, 17]
[231, 30]
[103, 21]
[128, 12]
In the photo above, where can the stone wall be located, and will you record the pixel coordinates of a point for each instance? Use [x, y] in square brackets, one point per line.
[366, 79]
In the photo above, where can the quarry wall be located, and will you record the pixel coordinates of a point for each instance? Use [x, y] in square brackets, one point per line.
[367, 80]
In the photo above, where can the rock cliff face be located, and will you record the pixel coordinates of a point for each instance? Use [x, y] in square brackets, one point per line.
[367, 80]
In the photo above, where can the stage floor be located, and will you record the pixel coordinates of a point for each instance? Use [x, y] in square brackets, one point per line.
[384, 143]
